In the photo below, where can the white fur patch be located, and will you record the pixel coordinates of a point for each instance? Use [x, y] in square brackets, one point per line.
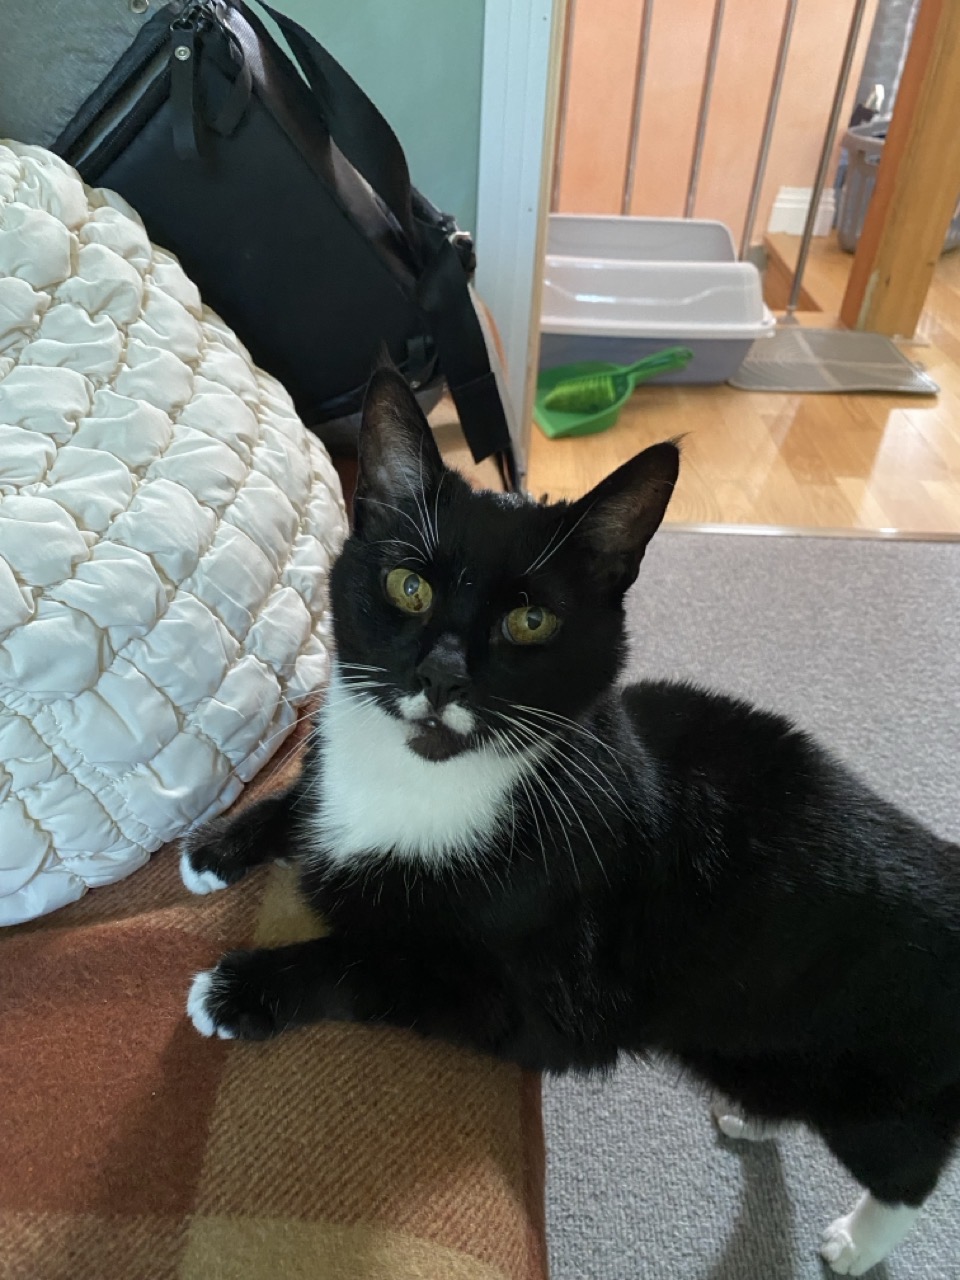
[459, 719]
[379, 795]
[198, 1002]
[415, 706]
[199, 881]
[854, 1244]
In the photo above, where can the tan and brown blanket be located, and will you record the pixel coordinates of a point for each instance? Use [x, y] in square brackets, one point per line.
[133, 1149]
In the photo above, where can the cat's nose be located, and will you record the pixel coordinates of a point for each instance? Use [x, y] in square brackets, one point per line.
[443, 674]
[441, 685]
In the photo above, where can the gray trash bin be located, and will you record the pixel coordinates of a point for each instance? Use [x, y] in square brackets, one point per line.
[864, 147]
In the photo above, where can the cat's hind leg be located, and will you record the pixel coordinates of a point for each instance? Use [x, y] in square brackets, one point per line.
[862, 1238]
[221, 852]
[732, 1123]
[899, 1161]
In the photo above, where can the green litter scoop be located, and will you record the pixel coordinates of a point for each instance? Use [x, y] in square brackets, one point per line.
[581, 399]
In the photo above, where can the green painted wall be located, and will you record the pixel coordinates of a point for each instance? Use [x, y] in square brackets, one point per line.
[420, 61]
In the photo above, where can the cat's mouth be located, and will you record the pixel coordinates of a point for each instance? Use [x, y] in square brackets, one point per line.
[436, 733]
[431, 739]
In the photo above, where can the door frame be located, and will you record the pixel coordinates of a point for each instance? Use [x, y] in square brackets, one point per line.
[520, 90]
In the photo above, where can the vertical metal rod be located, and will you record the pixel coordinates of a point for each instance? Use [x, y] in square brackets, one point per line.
[562, 105]
[639, 81]
[846, 66]
[705, 96]
[773, 102]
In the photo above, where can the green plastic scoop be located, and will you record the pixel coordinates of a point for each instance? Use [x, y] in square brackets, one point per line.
[581, 399]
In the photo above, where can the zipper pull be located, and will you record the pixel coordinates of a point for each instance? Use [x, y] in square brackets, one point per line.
[183, 58]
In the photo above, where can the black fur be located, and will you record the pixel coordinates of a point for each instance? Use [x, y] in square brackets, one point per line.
[685, 874]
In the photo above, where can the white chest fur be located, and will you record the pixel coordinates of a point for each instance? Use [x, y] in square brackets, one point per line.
[377, 795]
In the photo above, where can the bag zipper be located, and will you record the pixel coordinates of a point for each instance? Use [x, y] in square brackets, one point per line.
[193, 19]
[196, 17]
[193, 16]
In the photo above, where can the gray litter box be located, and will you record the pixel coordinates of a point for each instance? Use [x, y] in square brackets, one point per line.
[622, 288]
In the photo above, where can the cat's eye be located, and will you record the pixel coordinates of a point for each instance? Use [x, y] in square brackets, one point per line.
[530, 625]
[408, 591]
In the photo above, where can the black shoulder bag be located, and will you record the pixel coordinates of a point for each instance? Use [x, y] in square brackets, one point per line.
[288, 201]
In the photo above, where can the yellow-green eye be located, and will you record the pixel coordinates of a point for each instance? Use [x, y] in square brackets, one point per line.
[531, 625]
[408, 591]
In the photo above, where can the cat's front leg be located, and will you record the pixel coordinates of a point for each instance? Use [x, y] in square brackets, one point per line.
[221, 852]
[252, 995]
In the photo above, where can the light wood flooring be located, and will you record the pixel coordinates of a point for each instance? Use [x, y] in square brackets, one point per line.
[849, 461]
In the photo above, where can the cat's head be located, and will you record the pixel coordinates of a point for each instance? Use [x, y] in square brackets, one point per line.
[482, 619]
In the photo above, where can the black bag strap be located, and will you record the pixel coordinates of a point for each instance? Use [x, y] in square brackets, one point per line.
[355, 124]
[367, 141]
[444, 295]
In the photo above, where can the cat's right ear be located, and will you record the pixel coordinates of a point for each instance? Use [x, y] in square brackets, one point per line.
[398, 456]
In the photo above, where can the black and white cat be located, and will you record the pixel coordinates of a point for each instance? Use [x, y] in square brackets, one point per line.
[517, 855]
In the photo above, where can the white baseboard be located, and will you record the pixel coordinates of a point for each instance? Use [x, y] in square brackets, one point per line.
[789, 211]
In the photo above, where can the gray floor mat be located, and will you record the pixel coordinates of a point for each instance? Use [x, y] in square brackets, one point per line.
[859, 640]
[830, 360]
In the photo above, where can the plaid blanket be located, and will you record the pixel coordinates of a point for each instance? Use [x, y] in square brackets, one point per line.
[132, 1149]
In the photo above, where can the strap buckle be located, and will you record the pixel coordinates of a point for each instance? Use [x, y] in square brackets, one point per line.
[462, 242]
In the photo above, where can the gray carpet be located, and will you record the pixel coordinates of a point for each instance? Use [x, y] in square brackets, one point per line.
[858, 640]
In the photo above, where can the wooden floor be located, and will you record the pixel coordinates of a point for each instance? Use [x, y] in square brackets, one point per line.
[851, 461]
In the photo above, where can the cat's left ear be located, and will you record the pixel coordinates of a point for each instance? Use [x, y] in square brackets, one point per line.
[619, 517]
[398, 455]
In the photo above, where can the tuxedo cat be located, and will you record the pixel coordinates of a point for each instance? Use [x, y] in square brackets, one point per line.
[516, 854]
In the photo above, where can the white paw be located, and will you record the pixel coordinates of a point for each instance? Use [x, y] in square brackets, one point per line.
[734, 1125]
[855, 1243]
[198, 1003]
[840, 1249]
[199, 881]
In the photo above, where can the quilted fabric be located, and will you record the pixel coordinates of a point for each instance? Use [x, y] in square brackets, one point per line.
[166, 528]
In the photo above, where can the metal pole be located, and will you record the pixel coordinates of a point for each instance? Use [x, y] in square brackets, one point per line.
[826, 155]
[773, 103]
[639, 80]
[707, 93]
[562, 105]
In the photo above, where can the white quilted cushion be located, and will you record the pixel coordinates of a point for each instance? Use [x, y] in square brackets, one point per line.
[166, 528]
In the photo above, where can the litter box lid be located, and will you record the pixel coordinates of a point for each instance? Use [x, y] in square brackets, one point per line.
[682, 301]
[639, 239]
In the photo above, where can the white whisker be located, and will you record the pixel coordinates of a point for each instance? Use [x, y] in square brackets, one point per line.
[544, 794]
[410, 520]
[550, 551]
[534, 564]
[535, 734]
[399, 542]
[560, 721]
[502, 737]
[420, 501]
[436, 513]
